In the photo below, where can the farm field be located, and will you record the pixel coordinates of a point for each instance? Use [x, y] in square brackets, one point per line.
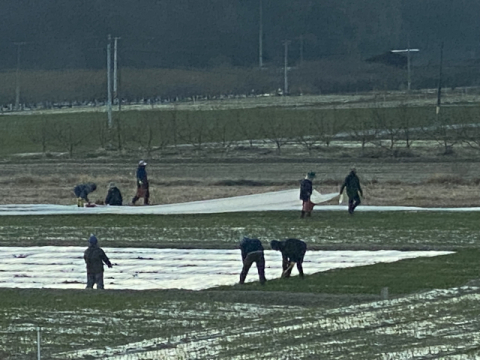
[432, 308]
[333, 314]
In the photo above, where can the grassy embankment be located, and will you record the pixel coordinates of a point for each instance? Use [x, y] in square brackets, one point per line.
[152, 130]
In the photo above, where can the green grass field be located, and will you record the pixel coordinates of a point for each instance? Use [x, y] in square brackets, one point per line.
[82, 134]
[335, 314]
[440, 230]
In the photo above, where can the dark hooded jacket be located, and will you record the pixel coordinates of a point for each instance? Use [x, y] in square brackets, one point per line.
[114, 197]
[352, 183]
[94, 258]
[306, 188]
[142, 180]
[82, 190]
[250, 245]
[292, 249]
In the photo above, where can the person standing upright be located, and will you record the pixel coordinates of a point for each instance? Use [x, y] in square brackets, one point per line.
[252, 252]
[354, 190]
[94, 258]
[142, 184]
[306, 189]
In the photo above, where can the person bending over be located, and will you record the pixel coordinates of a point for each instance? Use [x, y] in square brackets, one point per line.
[293, 251]
[252, 252]
[81, 192]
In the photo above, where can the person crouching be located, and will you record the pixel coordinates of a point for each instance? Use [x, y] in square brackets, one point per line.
[114, 196]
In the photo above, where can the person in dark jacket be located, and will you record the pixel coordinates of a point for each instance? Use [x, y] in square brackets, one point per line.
[352, 184]
[252, 252]
[114, 196]
[81, 192]
[94, 258]
[142, 184]
[306, 189]
[293, 251]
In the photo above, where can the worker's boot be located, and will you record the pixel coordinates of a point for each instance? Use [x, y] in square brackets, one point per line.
[302, 215]
[80, 202]
[309, 213]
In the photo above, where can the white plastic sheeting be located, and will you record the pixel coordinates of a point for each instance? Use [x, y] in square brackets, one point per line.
[286, 200]
[141, 269]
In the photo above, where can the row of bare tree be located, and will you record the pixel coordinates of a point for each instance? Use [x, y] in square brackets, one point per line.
[150, 132]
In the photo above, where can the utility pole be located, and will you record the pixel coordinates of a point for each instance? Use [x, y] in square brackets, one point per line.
[301, 49]
[115, 70]
[439, 92]
[109, 81]
[285, 74]
[39, 356]
[408, 51]
[260, 36]
[17, 77]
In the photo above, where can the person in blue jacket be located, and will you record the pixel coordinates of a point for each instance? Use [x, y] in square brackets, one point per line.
[142, 184]
[81, 192]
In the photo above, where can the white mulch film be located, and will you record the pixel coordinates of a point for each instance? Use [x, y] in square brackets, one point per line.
[194, 269]
[142, 269]
[286, 200]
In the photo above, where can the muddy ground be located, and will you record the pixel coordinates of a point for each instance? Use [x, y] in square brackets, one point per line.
[418, 180]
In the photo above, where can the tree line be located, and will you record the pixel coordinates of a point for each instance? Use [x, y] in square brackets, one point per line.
[58, 34]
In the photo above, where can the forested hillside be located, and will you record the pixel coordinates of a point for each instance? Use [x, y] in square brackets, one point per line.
[55, 50]
[61, 34]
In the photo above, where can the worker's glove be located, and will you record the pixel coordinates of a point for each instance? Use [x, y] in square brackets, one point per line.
[110, 265]
[139, 182]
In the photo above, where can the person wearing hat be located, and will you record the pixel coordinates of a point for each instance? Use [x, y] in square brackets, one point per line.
[252, 252]
[293, 251]
[114, 196]
[94, 258]
[306, 188]
[81, 191]
[352, 184]
[142, 184]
